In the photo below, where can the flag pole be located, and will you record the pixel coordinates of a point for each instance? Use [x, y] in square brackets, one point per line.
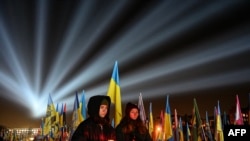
[199, 118]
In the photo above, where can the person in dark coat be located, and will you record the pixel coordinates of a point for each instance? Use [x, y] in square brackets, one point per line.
[97, 126]
[131, 127]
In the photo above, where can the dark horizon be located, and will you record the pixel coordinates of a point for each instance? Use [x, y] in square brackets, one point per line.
[203, 108]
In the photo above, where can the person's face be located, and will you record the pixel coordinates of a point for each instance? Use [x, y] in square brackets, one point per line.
[103, 110]
[133, 114]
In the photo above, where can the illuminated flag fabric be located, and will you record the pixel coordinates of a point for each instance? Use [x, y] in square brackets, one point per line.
[181, 136]
[208, 130]
[176, 122]
[151, 120]
[57, 108]
[56, 125]
[215, 115]
[198, 132]
[50, 118]
[219, 132]
[113, 123]
[168, 131]
[194, 136]
[114, 93]
[160, 133]
[188, 134]
[83, 106]
[57, 115]
[215, 122]
[61, 122]
[238, 115]
[76, 118]
[142, 110]
[61, 116]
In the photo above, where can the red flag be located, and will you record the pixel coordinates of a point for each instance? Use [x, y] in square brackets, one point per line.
[238, 115]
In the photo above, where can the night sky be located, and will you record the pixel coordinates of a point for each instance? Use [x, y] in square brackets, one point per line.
[187, 50]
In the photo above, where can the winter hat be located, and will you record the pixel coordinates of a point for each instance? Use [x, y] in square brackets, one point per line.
[104, 102]
[95, 103]
[129, 107]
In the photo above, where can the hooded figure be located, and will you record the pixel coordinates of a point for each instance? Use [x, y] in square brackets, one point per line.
[97, 126]
[131, 127]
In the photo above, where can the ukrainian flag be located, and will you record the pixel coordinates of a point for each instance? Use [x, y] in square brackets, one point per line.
[77, 117]
[168, 131]
[83, 106]
[114, 93]
[51, 116]
[151, 121]
[219, 131]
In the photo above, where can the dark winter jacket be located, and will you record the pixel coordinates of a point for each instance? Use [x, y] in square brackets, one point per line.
[132, 136]
[95, 128]
[131, 130]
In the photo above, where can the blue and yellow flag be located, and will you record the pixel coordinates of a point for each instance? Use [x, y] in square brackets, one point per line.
[181, 135]
[167, 130]
[83, 106]
[51, 116]
[77, 117]
[219, 132]
[114, 93]
[56, 125]
[151, 121]
[63, 115]
[57, 114]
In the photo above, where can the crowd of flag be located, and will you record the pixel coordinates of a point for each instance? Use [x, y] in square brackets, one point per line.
[54, 124]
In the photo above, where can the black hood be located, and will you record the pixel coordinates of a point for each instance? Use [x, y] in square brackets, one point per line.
[129, 107]
[95, 103]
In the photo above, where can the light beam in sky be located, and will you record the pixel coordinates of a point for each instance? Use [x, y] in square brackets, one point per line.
[40, 31]
[149, 30]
